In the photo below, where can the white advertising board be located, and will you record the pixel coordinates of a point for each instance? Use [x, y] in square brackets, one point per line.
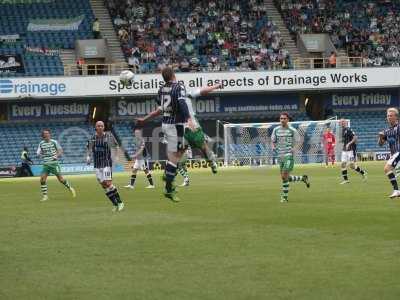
[148, 84]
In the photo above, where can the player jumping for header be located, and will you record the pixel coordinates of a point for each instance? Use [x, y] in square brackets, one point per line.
[196, 138]
[174, 109]
[50, 151]
[285, 139]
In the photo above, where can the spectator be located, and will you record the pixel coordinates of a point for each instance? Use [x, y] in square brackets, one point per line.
[96, 29]
[26, 163]
[366, 29]
[79, 64]
[197, 35]
[332, 60]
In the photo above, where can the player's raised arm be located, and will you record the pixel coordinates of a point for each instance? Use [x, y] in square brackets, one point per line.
[208, 89]
[150, 116]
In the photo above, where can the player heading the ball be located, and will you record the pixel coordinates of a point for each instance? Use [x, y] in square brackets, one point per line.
[175, 116]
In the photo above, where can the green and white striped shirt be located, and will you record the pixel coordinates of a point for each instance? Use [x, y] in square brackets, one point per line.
[284, 139]
[48, 151]
[189, 102]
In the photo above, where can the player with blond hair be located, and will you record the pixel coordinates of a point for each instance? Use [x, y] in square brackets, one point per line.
[391, 135]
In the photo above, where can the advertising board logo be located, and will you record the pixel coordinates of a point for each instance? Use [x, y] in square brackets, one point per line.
[32, 88]
[6, 86]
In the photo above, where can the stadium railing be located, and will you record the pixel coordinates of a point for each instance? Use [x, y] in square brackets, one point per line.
[116, 68]
[94, 69]
[323, 62]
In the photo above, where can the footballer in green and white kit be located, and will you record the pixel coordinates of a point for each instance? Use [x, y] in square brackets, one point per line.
[284, 141]
[50, 151]
[197, 139]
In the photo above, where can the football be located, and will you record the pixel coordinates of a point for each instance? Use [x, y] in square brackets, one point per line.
[126, 77]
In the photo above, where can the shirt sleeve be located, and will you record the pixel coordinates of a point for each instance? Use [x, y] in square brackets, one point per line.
[39, 150]
[352, 134]
[296, 137]
[57, 145]
[194, 94]
[114, 141]
[273, 136]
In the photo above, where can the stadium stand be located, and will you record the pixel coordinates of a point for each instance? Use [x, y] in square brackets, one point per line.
[198, 35]
[123, 129]
[367, 29]
[42, 29]
[72, 137]
[366, 125]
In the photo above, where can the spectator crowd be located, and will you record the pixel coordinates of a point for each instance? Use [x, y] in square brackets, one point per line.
[364, 28]
[198, 35]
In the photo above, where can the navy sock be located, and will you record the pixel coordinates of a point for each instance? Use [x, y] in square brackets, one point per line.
[170, 173]
[113, 195]
[359, 170]
[149, 178]
[393, 181]
[133, 178]
[344, 174]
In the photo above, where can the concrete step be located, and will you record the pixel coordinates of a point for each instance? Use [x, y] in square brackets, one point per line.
[276, 17]
[107, 30]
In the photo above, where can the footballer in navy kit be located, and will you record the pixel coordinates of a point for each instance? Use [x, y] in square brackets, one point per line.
[392, 136]
[99, 148]
[349, 140]
[175, 116]
[140, 158]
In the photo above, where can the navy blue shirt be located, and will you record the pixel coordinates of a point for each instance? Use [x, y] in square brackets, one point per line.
[392, 136]
[172, 101]
[101, 147]
[347, 137]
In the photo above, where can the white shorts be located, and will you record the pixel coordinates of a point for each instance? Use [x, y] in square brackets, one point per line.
[348, 156]
[104, 174]
[140, 164]
[173, 134]
[394, 160]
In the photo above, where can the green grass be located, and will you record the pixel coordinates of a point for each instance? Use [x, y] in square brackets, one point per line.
[229, 238]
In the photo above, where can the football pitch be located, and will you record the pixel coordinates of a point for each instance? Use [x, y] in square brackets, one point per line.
[229, 238]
